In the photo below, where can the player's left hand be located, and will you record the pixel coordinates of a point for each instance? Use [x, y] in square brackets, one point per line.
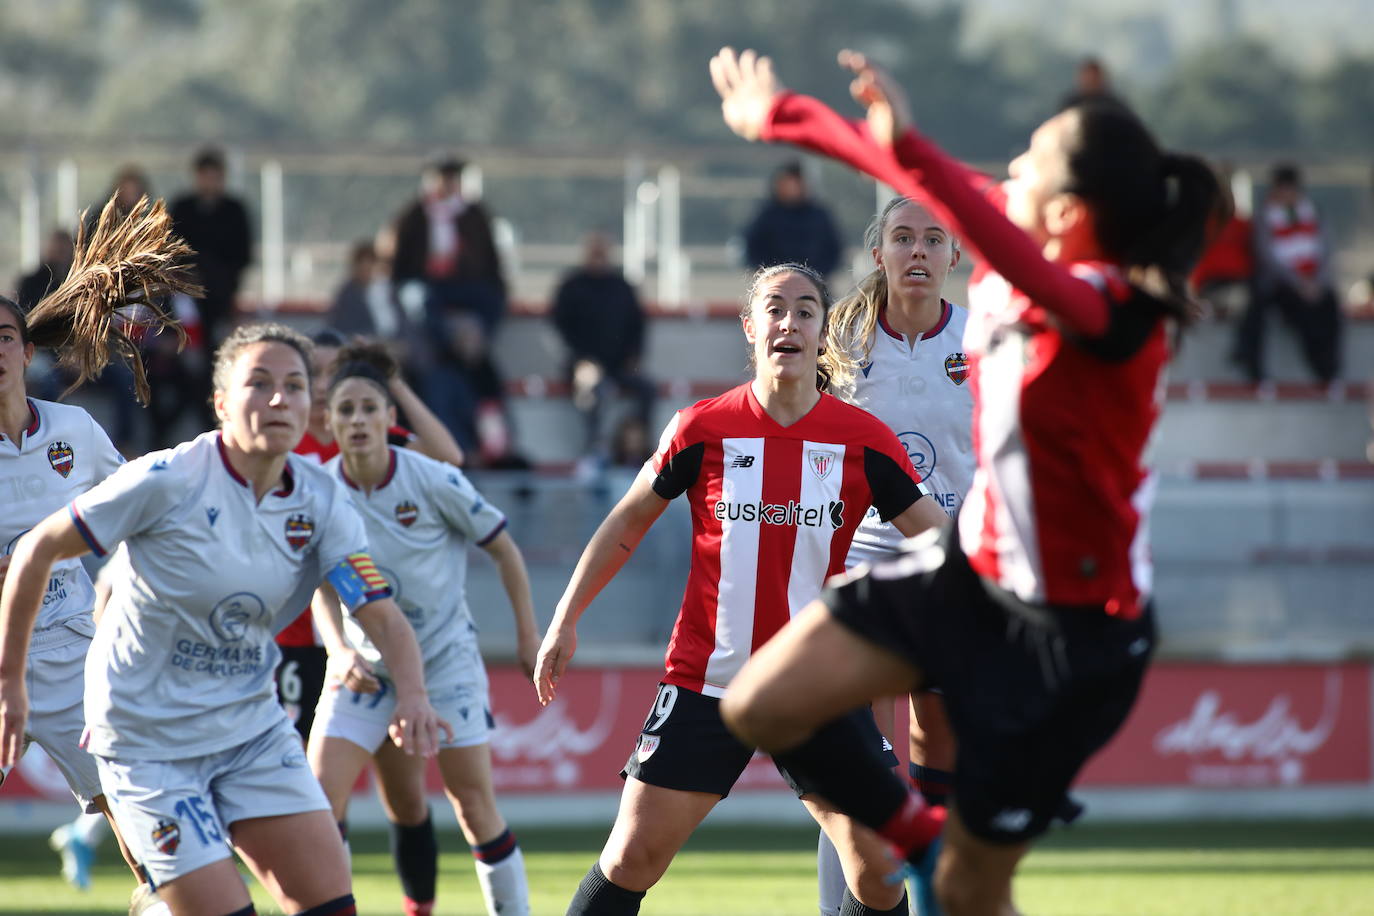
[527, 652]
[353, 671]
[14, 713]
[415, 726]
[889, 114]
[747, 87]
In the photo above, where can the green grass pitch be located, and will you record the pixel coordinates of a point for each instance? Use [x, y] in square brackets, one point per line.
[1245, 869]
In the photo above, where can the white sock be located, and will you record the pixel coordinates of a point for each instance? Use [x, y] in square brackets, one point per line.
[90, 829]
[829, 877]
[504, 887]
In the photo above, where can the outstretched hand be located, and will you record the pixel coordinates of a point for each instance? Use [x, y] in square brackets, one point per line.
[889, 114]
[747, 87]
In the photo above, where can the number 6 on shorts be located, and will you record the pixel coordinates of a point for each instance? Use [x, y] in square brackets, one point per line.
[663, 707]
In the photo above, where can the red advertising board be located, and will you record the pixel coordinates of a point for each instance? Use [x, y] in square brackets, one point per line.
[1243, 726]
[1195, 725]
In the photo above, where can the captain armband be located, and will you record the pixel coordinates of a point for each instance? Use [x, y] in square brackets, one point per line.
[357, 581]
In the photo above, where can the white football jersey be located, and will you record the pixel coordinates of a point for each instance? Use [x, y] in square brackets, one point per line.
[420, 520]
[183, 658]
[920, 390]
[61, 453]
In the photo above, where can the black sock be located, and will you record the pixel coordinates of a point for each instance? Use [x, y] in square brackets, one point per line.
[850, 906]
[339, 906]
[597, 896]
[839, 763]
[934, 784]
[416, 854]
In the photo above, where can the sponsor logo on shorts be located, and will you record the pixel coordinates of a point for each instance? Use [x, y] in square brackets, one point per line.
[61, 458]
[1011, 820]
[167, 837]
[406, 513]
[821, 462]
[956, 367]
[647, 745]
[300, 528]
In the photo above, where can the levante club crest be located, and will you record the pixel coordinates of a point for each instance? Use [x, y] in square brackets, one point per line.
[406, 513]
[299, 530]
[60, 457]
[956, 367]
[167, 837]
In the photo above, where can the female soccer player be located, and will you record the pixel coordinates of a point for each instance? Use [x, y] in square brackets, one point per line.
[897, 351]
[1035, 615]
[420, 516]
[224, 537]
[778, 476]
[300, 676]
[51, 452]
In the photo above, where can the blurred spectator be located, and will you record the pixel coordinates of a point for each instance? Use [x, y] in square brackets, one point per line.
[130, 186]
[601, 322]
[1225, 273]
[215, 224]
[57, 261]
[792, 228]
[1090, 84]
[630, 445]
[468, 394]
[444, 244]
[1292, 275]
[364, 305]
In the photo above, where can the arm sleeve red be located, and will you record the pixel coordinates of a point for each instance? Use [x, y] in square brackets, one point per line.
[971, 203]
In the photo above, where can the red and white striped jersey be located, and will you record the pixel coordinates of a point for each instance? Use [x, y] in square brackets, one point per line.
[1059, 510]
[1293, 237]
[774, 509]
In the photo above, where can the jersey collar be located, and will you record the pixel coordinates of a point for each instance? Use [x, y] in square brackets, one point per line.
[288, 478]
[386, 479]
[32, 428]
[946, 313]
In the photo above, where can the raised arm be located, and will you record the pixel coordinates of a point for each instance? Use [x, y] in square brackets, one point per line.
[515, 580]
[55, 538]
[432, 437]
[605, 554]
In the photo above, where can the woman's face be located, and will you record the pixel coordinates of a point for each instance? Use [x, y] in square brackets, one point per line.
[359, 417]
[1039, 174]
[915, 252]
[14, 353]
[265, 405]
[786, 328]
[319, 394]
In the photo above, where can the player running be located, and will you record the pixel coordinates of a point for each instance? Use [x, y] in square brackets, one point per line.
[778, 476]
[50, 453]
[897, 351]
[420, 515]
[224, 537]
[1035, 615]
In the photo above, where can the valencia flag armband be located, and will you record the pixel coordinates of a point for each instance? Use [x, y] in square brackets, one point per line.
[357, 581]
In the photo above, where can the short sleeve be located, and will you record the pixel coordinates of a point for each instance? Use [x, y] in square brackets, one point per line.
[891, 478]
[464, 508]
[344, 534]
[106, 458]
[128, 502]
[676, 464]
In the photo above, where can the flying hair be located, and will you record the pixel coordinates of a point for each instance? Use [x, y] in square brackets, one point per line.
[117, 276]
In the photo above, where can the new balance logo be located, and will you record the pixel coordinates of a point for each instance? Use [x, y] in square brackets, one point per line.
[743, 461]
[1011, 820]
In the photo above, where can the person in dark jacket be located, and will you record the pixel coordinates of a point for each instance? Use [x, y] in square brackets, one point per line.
[791, 228]
[600, 320]
[445, 243]
[215, 224]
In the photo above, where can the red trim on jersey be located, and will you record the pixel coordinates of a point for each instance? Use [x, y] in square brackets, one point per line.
[224, 457]
[386, 478]
[946, 313]
[882, 323]
[33, 412]
[85, 532]
[288, 484]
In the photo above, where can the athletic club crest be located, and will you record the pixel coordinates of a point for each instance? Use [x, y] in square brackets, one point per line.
[167, 837]
[60, 457]
[407, 512]
[647, 745]
[821, 462]
[299, 530]
[956, 367]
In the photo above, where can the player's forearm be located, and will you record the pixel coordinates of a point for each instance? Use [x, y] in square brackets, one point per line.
[328, 617]
[606, 553]
[432, 437]
[510, 564]
[25, 583]
[389, 631]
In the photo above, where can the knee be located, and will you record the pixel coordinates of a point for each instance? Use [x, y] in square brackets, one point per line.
[874, 889]
[407, 808]
[634, 866]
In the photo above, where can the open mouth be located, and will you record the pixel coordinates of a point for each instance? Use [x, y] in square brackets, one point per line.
[786, 349]
[919, 273]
